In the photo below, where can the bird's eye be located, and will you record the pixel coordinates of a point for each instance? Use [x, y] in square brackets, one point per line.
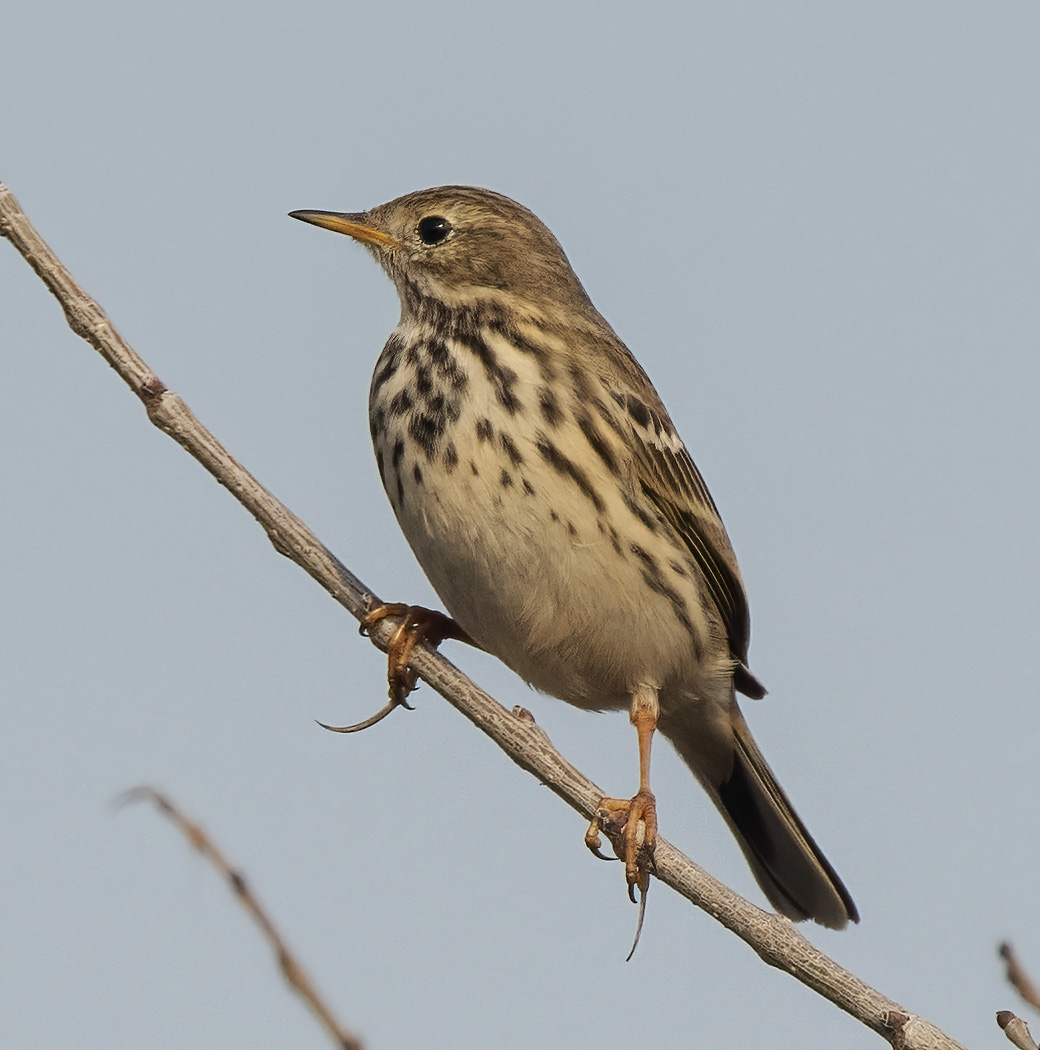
[433, 229]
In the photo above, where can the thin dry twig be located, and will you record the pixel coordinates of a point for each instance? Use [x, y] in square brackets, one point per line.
[1016, 974]
[773, 938]
[293, 972]
[1016, 1030]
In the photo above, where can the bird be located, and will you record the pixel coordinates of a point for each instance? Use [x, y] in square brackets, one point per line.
[540, 482]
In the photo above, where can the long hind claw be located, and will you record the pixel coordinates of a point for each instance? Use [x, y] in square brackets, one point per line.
[366, 723]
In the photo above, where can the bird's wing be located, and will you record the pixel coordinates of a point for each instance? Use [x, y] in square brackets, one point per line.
[672, 484]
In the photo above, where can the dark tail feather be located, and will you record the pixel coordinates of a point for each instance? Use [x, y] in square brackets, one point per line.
[792, 871]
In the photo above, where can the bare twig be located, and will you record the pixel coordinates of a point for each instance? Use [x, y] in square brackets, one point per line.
[291, 969]
[775, 939]
[1020, 980]
[1016, 1030]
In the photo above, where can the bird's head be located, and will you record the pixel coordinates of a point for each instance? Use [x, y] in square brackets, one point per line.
[463, 247]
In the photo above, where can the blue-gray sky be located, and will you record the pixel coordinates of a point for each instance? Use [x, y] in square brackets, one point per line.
[817, 227]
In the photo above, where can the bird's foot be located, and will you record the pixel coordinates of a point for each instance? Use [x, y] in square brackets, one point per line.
[631, 826]
[417, 625]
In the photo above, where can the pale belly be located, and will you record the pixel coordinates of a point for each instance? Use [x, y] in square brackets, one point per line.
[524, 509]
[518, 556]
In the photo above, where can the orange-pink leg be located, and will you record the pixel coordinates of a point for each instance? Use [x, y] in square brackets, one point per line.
[638, 828]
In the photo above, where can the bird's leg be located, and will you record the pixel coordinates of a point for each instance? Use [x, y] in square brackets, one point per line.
[638, 831]
[417, 625]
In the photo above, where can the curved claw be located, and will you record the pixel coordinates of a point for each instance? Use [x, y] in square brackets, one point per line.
[368, 722]
[592, 839]
[593, 842]
[639, 925]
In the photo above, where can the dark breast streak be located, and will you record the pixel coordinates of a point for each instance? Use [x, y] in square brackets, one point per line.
[419, 426]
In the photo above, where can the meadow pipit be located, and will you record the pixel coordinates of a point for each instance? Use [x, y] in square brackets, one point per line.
[541, 484]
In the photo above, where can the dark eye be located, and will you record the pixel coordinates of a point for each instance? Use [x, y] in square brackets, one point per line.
[433, 229]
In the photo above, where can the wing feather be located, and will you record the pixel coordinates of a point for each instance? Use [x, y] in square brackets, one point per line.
[672, 484]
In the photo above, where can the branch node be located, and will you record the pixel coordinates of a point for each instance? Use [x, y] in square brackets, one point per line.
[280, 542]
[1016, 1030]
[151, 391]
[896, 1022]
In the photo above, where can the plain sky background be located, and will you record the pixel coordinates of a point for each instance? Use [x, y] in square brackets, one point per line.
[816, 225]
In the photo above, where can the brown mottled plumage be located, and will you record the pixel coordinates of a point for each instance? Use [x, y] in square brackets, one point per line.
[536, 474]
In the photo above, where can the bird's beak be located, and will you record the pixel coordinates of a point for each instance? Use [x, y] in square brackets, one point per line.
[353, 224]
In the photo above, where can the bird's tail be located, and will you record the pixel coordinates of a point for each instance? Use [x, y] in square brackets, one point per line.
[791, 869]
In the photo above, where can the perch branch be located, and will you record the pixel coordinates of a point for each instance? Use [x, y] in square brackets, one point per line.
[775, 939]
